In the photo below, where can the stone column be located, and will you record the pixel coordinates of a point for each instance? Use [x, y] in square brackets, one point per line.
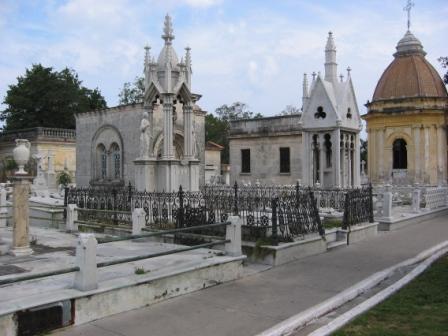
[440, 155]
[417, 159]
[342, 158]
[20, 239]
[357, 162]
[350, 162]
[305, 158]
[336, 140]
[168, 153]
[380, 154]
[150, 110]
[188, 131]
[321, 159]
[427, 173]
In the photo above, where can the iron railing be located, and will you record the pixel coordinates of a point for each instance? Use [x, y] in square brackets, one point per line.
[280, 212]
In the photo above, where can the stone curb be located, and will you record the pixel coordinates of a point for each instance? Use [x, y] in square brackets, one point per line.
[299, 320]
[340, 321]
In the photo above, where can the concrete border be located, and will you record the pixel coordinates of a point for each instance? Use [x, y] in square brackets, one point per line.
[342, 320]
[387, 225]
[299, 320]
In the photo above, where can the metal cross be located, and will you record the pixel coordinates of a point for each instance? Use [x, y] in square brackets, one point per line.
[408, 8]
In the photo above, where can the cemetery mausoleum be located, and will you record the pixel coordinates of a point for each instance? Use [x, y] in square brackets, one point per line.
[157, 145]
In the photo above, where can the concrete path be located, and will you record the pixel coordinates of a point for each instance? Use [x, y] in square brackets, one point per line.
[257, 302]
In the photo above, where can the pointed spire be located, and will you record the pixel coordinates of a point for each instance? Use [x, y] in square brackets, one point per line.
[330, 46]
[168, 30]
[147, 54]
[188, 57]
[305, 86]
[331, 67]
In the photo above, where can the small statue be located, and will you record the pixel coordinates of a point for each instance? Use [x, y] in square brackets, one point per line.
[145, 136]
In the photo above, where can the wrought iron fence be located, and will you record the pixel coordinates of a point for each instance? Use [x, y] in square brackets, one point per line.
[280, 212]
[358, 207]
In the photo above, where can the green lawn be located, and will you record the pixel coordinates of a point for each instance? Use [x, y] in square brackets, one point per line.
[420, 308]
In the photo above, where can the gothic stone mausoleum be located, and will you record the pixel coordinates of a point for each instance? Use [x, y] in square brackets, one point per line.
[158, 144]
[320, 145]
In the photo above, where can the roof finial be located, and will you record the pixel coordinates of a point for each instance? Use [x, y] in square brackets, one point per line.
[168, 30]
[408, 8]
[188, 56]
[348, 71]
[341, 76]
[147, 54]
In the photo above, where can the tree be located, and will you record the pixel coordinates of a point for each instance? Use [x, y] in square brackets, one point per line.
[44, 97]
[217, 128]
[444, 62]
[290, 109]
[237, 110]
[132, 93]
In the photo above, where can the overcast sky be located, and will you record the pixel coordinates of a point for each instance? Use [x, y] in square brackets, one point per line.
[250, 51]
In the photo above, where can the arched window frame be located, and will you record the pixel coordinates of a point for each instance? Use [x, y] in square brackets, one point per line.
[399, 154]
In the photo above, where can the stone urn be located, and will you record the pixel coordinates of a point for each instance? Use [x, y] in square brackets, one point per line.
[21, 155]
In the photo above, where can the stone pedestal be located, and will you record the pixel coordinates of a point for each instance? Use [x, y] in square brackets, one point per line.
[20, 244]
[145, 174]
[194, 175]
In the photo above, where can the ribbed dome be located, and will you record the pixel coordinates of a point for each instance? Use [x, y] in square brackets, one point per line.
[409, 74]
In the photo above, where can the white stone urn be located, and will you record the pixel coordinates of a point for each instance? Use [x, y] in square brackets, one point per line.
[21, 155]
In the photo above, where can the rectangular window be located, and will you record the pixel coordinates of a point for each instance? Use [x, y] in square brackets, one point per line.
[245, 160]
[285, 163]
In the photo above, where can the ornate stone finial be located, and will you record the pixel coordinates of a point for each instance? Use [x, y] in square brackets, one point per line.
[147, 54]
[330, 42]
[348, 71]
[188, 56]
[314, 75]
[168, 30]
[305, 86]
[408, 9]
[341, 76]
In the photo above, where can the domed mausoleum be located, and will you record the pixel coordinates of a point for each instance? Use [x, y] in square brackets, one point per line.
[406, 120]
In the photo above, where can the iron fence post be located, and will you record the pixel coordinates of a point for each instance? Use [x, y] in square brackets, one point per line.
[180, 216]
[65, 202]
[297, 193]
[130, 196]
[235, 199]
[274, 236]
[371, 219]
[114, 202]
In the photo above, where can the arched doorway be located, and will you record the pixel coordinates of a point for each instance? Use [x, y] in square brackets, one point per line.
[400, 154]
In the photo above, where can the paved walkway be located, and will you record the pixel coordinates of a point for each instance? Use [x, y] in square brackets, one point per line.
[257, 302]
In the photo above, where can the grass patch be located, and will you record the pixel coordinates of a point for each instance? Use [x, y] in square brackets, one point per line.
[140, 271]
[330, 223]
[420, 308]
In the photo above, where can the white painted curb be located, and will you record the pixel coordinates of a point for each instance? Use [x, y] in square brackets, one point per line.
[299, 320]
[340, 321]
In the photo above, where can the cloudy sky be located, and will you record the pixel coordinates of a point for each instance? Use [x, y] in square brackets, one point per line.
[250, 51]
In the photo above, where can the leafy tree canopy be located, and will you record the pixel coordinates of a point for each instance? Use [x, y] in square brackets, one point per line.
[44, 97]
[132, 92]
[290, 109]
[444, 62]
[237, 110]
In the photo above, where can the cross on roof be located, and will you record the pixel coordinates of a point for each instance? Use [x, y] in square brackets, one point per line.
[408, 9]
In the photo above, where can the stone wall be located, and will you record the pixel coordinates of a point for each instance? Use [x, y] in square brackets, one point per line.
[264, 137]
